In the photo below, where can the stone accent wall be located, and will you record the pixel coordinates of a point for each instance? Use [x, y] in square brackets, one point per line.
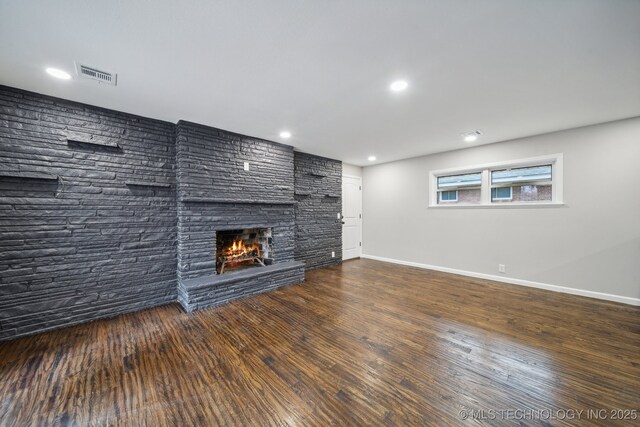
[210, 164]
[81, 241]
[318, 192]
[203, 292]
[103, 212]
[198, 223]
[216, 193]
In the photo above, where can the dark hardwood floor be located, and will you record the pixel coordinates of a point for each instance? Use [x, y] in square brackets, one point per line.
[365, 343]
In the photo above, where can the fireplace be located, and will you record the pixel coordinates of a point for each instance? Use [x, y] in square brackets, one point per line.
[241, 249]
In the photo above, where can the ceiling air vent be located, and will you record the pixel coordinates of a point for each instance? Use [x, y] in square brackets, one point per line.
[95, 74]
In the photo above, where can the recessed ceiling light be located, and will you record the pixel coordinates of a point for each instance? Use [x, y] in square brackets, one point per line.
[471, 136]
[372, 158]
[58, 73]
[398, 85]
[285, 134]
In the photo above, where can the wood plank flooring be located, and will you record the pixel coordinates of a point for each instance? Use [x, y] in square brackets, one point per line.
[366, 343]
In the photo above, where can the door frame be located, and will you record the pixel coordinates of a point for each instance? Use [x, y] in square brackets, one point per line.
[359, 178]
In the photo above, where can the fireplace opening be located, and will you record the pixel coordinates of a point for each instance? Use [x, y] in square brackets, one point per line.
[240, 249]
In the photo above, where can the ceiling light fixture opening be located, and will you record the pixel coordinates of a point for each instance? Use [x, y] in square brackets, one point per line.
[372, 158]
[399, 85]
[285, 134]
[471, 136]
[59, 74]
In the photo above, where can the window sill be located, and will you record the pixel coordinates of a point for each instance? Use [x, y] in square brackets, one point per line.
[500, 206]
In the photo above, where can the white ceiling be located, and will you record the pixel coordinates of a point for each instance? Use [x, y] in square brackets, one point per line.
[321, 69]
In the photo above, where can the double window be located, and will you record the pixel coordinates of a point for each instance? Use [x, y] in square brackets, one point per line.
[519, 182]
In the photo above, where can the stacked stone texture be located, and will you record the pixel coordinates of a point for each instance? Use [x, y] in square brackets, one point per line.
[102, 212]
[211, 176]
[318, 188]
[211, 165]
[195, 294]
[85, 245]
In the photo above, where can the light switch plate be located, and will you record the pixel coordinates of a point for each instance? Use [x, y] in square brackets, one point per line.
[246, 166]
[338, 216]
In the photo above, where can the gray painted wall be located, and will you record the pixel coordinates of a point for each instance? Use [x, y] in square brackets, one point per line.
[352, 170]
[592, 243]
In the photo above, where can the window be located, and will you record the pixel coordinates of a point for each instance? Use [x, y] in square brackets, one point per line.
[501, 193]
[528, 184]
[449, 196]
[464, 188]
[525, 182]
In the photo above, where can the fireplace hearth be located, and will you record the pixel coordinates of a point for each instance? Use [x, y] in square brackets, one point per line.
[245, 248]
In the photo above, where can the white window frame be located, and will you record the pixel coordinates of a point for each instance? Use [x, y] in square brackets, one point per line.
[450, 200]
[555, 160]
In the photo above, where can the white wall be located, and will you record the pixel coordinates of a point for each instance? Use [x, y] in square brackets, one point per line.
[592, 244]
[352, 170]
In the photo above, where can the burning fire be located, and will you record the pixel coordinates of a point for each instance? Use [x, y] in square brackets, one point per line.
[239, 248]
[239, 252]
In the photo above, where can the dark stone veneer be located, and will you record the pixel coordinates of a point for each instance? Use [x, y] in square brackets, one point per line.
[318, 187]
[103, 212]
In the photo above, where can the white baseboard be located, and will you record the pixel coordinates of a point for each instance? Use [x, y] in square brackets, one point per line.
[546, 286]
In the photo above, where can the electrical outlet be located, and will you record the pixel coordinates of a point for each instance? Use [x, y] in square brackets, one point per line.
[502, 268]
[338, 216]
[333, 254]
[246, 166]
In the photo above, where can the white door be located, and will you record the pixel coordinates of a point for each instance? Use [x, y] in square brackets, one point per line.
[351, 217]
